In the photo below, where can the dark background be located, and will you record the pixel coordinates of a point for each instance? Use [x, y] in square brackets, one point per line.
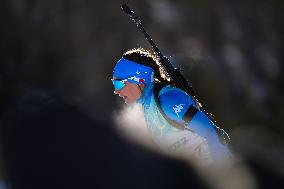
[57, 102]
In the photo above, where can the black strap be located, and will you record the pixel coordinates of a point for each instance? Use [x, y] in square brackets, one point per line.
[190, 112]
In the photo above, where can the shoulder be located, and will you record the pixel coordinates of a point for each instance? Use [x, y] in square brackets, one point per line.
[170, 91]
[174, 102]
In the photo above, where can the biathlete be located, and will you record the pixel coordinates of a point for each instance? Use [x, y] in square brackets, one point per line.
[173, 117]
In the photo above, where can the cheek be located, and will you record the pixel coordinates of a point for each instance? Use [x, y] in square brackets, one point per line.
[136, 93]
[133, 93]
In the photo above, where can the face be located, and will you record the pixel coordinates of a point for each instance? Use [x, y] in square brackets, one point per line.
[130, 93]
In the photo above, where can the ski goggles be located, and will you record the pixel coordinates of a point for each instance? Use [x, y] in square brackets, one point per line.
[118, 83]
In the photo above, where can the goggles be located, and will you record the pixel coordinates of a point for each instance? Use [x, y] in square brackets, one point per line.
[118, 83]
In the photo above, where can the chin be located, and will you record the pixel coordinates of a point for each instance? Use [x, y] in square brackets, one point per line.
[128, 102]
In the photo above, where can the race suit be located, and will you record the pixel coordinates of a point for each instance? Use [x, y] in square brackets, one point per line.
[200, 141]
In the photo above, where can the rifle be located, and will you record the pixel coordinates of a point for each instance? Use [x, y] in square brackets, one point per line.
[173, 72]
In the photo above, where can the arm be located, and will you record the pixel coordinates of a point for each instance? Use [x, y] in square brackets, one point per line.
[176, 104]
[180, 107]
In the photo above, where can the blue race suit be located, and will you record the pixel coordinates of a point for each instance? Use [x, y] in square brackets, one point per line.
[201, 140]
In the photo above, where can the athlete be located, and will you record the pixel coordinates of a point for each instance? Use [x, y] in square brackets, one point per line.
[173, 117]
